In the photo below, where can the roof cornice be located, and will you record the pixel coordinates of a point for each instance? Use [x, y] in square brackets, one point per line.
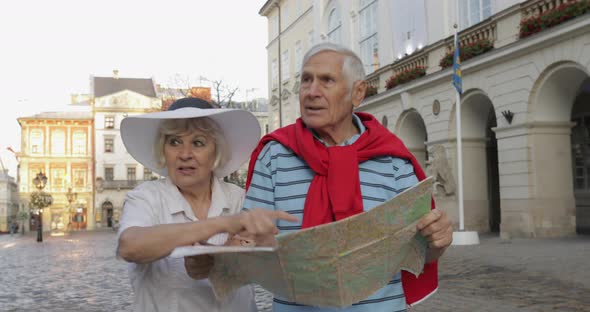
[268, 5]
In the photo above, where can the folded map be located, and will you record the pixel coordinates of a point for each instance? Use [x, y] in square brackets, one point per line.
[331, 265]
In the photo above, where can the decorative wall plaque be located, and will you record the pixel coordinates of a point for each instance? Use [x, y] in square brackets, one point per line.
[436, 107]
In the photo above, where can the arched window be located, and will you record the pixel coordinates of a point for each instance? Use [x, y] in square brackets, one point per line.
[369, 46]
[334, 26]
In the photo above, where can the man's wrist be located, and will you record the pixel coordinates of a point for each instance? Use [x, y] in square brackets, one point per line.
[432, 254]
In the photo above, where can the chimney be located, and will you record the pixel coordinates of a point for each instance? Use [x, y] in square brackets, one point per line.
[115, 73]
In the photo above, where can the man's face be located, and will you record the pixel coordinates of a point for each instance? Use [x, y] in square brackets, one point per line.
[324, 93]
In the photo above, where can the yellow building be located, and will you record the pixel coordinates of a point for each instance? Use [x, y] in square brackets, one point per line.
[60, 145]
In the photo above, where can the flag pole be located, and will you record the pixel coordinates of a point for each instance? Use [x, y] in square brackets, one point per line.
[459, 150]
[461, 237]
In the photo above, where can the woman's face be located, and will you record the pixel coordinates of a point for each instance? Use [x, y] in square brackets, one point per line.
[189, 159]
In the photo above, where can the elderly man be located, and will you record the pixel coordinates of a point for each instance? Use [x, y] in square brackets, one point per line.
[333, 163]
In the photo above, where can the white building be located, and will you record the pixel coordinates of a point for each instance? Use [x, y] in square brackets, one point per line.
[524, 103]
[9, 201]
[259, 108]
[114, 98]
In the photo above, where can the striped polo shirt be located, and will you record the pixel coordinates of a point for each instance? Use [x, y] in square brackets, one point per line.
[281, 181]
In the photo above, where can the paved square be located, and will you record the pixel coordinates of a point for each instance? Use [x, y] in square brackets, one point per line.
[79, 272]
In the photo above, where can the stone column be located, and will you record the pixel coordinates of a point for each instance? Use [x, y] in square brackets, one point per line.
[475, 185]
[536, 183]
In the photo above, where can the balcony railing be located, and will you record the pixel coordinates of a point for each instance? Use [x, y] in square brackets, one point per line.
[418, 59]
[429, 56]
[377, 78]
[536, 8]
[481, 31]
[373, 81]
[119, 184]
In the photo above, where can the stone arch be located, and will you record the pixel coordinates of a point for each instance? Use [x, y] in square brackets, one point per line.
[481, 190]
[107, 209]
[559, 106]
[476, 106]
[411, 129]
[560, 205]
[554, 92]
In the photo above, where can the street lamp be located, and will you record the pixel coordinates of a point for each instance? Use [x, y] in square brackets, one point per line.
[71, 196]
[40, 200]
[40, 181]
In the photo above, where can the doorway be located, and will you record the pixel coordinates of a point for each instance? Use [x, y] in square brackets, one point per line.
[493, 174]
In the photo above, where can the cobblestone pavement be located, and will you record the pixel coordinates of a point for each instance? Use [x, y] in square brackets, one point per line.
[80, 273]
[514, 275]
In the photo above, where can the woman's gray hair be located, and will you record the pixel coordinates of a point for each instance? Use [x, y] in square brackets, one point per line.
[183, 126]
[352, 66]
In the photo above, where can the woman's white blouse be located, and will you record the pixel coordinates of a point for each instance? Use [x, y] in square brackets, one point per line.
[164, 285]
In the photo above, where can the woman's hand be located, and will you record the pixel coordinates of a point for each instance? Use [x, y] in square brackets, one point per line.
[255, 227]
[257, 222]
[246, 240]
[198, 267]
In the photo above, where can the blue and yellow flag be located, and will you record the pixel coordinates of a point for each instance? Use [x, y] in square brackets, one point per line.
[457, 79]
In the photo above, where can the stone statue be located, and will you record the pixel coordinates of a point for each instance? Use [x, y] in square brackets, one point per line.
[438, 168]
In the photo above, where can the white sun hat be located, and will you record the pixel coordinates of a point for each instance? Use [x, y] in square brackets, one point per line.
[240, 130]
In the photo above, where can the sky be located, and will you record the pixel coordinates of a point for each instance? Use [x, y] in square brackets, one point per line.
[49, 50]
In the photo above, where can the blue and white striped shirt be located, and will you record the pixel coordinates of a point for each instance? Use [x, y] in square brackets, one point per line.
[281, 181]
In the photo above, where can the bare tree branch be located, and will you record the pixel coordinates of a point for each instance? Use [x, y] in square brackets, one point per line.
[223, 93]
[217, 88]
[229, 95]
[182, 83]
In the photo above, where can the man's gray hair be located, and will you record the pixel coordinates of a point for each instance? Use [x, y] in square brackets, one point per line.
[352, 67]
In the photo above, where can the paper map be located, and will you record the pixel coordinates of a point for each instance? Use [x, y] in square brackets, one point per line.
[335, 264]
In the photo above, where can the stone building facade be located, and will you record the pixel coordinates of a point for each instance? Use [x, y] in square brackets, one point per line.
[9, 201]
[59, 145]
[112, 99]
[524, 107]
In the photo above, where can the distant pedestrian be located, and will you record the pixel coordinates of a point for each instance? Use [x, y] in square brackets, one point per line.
[13, 228]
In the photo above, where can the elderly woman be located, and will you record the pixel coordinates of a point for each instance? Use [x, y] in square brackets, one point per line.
[193, 146]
